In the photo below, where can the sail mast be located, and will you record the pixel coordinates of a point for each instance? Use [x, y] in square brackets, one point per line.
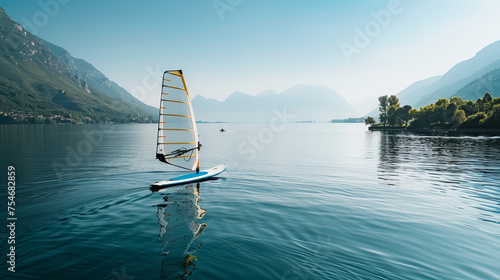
[193, 121]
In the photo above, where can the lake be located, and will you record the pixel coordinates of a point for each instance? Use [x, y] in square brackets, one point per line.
[298, 201]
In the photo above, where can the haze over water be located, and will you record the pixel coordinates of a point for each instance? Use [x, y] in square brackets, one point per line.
[313, 201]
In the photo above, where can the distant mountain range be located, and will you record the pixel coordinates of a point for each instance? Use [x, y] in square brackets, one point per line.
[304, 102]
[37, 77]
[469, 80]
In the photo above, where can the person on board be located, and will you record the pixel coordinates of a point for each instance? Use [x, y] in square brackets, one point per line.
[222, 130]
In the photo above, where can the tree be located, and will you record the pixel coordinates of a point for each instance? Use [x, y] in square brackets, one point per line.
[493, 119]
[442, 102]
[479, 105]
[413, 113]
[393, 101]
[400, 114]
[388, 109]
[487, 97]
[369, 121]
[392, 115]
[382, 107]
[457, 101]
[449, 113]
[405, 115]
[458, 118]
[473, 121]
[469, 108]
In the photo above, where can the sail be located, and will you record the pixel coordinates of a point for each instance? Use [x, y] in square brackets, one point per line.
[177, 142]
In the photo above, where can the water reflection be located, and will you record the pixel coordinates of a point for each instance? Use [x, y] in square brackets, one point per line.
[468, 164]
[179, 230]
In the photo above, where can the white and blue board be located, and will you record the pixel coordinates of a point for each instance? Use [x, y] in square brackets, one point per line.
[192, 177]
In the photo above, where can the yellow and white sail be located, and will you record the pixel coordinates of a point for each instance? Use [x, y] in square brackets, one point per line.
[177, 142]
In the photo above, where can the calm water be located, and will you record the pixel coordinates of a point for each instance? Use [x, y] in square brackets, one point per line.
[298, 201]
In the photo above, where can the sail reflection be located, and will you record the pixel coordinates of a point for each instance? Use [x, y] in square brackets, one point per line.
[179, 230]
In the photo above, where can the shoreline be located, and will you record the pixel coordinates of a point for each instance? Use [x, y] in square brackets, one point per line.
[440, 131]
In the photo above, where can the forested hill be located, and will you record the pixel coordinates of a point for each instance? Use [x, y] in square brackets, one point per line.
[37, 85]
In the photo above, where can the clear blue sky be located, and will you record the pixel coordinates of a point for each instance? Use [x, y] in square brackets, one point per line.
[254, 45]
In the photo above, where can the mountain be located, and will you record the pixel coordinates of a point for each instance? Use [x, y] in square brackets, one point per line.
[469, 79]
[409, 95]
[476, 89]
[366, 106]
[35, 80]
[98, 80]
[305, 102]
[459, 76]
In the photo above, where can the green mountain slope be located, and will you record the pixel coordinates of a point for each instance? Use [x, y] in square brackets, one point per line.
[35, 81]
[98, 80]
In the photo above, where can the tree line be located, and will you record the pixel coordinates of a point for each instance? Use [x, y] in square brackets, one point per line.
[445, 113]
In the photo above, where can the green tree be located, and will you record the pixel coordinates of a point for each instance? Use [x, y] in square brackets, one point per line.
[442, 102]
[469, 108]
[400, 114]
[413, 113]
[487, 97]
[479, 105]
[382, 107]
[405, 114]
[392, 110]
[393, 101]
[392, 115]
[458, 118]
[473, 121]
[369, 121]
[449, 113]
[493, 119]
[457, 101]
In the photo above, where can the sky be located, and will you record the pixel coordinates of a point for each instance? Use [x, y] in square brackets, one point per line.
[361, 49]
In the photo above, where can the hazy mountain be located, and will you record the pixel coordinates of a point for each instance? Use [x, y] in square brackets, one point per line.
[409, 95]
[469, 79]
[366, 106]
[476, 89]
[35, 80]
[486, 60]
[316, 103]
